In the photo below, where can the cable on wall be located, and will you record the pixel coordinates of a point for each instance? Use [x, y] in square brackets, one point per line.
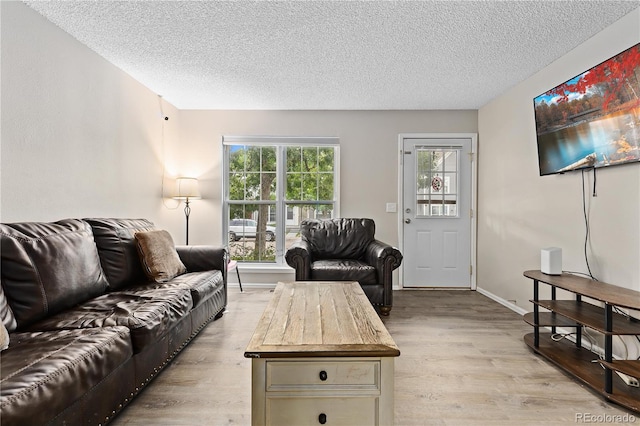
[586, 222]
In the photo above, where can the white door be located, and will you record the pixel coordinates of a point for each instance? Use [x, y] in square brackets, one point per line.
[437, 215]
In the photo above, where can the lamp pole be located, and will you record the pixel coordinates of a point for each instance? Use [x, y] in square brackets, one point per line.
[187, 212]
[187, 189]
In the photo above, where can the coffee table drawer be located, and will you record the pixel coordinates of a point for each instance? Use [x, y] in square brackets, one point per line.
[317, 411]
[288, 375]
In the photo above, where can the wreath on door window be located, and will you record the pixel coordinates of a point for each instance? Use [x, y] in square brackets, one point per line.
[436, 183]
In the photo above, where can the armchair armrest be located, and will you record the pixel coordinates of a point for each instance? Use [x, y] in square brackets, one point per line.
[385, 259]
[203, 258]
[382, 255]
[298, 256]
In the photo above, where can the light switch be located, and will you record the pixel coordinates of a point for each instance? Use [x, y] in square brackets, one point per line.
[392, 207]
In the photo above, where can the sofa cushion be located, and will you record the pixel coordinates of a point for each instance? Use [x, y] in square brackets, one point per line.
[148, 313]
[338, 238]
[48, 267]
[117, 248]
[158, 255]
[343, 270]
[45, 372]
[202, 285]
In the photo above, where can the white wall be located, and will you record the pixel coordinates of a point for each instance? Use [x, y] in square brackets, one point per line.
[80, 138]
[520, 212]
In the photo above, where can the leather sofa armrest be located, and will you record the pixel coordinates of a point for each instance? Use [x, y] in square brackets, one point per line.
[298, 256]
[203, 258]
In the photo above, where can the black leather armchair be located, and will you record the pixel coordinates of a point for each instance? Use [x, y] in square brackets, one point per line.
[346, 250]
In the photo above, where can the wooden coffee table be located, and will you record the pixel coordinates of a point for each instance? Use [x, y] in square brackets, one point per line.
[320, 354]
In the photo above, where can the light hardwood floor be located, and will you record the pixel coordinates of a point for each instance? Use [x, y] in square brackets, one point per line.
[463, 362]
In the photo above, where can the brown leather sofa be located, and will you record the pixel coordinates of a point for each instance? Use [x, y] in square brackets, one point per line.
[87, 329]
[346, 250]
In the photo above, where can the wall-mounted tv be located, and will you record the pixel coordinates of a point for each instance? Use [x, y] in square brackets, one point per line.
[593, 119]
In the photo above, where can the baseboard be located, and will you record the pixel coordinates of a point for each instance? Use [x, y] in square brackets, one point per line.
[503, 302]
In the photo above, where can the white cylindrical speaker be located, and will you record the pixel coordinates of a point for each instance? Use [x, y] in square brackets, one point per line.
[551, 261]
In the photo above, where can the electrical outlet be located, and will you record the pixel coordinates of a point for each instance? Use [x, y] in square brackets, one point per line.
[630, 381]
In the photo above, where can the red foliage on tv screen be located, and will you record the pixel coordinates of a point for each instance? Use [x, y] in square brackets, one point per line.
[613, 74]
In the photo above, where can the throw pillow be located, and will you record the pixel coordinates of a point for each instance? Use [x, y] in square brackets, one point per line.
[158, 255]
[4, 337]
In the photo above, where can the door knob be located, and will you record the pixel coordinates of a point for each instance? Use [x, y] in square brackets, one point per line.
[407, 221]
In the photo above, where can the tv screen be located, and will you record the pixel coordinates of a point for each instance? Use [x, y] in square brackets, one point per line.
[593, 119]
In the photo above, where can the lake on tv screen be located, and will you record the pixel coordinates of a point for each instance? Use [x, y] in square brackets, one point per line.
[611, 139]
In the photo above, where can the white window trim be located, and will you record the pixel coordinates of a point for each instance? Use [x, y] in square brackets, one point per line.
[281, 140]
[280, 264]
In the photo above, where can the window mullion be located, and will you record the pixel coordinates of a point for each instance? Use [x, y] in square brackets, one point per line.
[281, 230]
[319, 173]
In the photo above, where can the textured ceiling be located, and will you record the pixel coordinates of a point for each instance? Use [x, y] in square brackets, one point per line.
[332, 54]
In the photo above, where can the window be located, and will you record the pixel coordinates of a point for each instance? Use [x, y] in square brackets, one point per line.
[437, 188]
[270, 185]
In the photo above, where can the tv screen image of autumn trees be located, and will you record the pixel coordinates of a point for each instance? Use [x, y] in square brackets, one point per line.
[593, 119]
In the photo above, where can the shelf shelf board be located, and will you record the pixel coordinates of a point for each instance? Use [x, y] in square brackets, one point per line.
[577, 362]
[590, 315]
[627, 366]
[613, 294]
[549, 319]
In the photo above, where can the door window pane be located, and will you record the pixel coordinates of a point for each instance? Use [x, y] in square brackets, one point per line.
[437, 181]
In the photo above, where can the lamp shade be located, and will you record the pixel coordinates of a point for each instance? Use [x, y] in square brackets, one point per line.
[186, 188]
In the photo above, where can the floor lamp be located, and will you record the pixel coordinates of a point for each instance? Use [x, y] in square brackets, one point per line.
[187, 189]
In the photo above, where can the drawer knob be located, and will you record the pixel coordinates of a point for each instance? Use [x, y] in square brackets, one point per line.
[323, 377]
[322, 418]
